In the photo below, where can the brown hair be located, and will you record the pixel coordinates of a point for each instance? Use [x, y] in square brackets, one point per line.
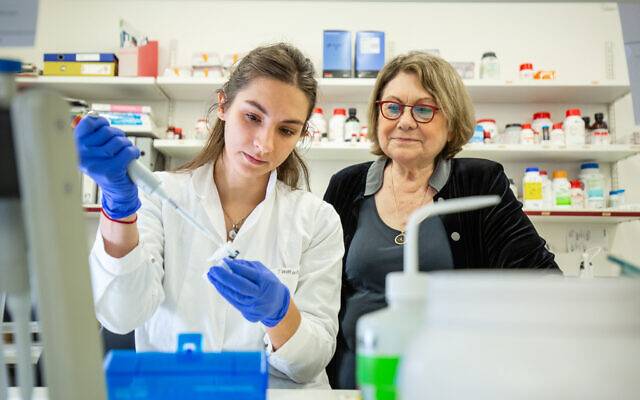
[441, 81]
[284, 63]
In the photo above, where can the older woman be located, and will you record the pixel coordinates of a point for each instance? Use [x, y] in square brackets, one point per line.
[420, 116]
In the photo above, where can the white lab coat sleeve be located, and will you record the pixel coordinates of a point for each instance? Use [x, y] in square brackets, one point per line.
[128, 290]
[306, 354]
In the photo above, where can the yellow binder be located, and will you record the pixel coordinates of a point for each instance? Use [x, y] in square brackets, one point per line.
[63, 68]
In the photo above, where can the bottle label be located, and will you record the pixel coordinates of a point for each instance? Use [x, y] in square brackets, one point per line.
[376, 376]
[563, 199]
[533, 190]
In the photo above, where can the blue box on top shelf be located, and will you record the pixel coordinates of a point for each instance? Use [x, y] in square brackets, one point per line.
[336, 54]
[186, 374]
[369, 53]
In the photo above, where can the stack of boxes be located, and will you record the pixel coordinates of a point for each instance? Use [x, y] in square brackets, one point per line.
[338, 61]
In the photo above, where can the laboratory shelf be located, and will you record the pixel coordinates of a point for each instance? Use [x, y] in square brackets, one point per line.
[339, 90]
[189, 88]
[606, 216]
[551, 153]
[98, 88]
[554, 91]
[181, 149]
[186, 149]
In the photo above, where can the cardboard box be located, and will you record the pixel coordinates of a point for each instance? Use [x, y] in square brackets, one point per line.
[336, 54]
[138, 61]
[369, 53]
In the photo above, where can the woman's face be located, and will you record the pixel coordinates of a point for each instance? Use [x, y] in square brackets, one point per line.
[404, 140]
[262, 125]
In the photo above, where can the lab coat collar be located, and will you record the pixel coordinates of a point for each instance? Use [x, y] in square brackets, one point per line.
[203, 184]
[206, 191]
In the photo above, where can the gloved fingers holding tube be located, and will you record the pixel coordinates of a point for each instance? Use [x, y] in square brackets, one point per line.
[104, 153]
[252, 289]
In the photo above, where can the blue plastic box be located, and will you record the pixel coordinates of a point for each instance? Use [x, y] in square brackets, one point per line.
[186, 374]
[336, 54]
[369, 53]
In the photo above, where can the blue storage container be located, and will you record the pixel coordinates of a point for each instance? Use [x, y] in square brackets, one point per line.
[187, 374]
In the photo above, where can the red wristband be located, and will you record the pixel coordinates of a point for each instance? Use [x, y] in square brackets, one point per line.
[119, 221]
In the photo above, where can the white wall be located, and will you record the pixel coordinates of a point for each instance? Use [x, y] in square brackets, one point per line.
[570, 38]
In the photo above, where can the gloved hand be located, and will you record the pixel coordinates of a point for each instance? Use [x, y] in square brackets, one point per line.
[252, 289]
[104, 154]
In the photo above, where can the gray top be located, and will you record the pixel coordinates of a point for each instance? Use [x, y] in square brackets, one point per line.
[373, 254]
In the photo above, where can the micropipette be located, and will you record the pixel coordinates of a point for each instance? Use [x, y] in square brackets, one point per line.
[151, 185]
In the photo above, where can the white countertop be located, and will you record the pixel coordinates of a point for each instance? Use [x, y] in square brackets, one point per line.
[272, 394]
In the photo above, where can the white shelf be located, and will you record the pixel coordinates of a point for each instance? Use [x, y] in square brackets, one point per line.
[98, 88]
[330, 90]
[186, 149]
[553, 153]
[189, 88]
[606, 216]
[181, 149]
[595, 92]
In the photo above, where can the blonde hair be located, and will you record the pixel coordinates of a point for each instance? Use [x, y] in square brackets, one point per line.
[284, 63]
[441, 81]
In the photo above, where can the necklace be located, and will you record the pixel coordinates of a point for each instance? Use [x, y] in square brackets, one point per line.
[399, 239]
[235, 226]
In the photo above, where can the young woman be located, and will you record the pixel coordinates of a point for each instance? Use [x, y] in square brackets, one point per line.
[148, 265]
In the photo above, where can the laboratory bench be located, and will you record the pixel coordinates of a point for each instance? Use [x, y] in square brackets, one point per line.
[272, 394]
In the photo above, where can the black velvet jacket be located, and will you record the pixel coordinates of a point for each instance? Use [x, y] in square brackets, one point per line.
[497, 237]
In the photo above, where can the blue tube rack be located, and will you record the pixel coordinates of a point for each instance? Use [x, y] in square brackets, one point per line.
[189, 373]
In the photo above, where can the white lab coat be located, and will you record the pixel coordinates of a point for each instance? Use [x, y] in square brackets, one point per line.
[159, 288]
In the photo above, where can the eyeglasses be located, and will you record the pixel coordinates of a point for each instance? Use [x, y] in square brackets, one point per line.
[421, 113]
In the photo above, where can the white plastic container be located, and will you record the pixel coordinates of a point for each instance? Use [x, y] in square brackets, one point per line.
[490, 336]
[593, 184]
[526, 135]
[616, 198]
[532, 189]
[540, 120]
[489, 66]
[512, 134]
[201, 132]
[336, 125]
[478, 135]
[573, 126]
[557, 134]
[489, 125]
[547, 190]
[318, 125]
[382, 336]
[561, 189]
[526, 71]
[577, 194]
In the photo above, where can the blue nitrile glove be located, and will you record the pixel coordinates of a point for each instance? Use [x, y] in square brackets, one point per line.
[253, 289]
[104, 154]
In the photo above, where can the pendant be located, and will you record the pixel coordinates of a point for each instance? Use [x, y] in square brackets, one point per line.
[232, 233]
[399, 239]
